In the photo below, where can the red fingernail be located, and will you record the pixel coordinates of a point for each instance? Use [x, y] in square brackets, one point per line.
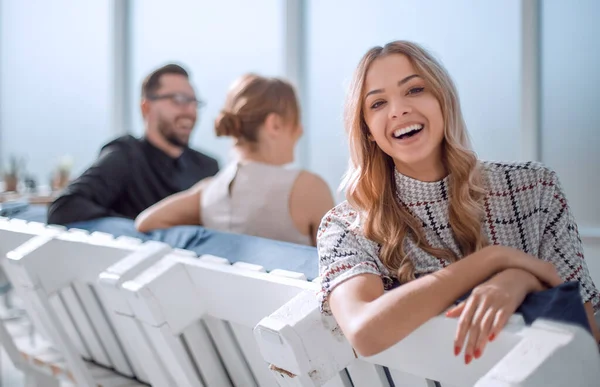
[467, 359]
[477, 354]
[492, 337]
[456, 350]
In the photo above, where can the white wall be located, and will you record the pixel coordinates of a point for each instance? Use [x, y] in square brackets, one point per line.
[217, 42]
[54, 81]
[479, 42]
[570, 111]
[571, 101]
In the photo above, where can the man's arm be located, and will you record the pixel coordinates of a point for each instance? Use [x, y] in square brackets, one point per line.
[93, 194]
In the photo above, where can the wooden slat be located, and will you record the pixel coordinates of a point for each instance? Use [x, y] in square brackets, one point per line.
[83, 325]
[339, 380]
[76, 364]
[100, 324]
[174, 356]
[403, 379]
[144, 358]
[227, 345]
[126, 330]
[247, 343]
[234, 360]
[365, 374]
[67, 324]
[205, 355]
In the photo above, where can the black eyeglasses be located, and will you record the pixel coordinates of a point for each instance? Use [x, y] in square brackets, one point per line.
[179, 99]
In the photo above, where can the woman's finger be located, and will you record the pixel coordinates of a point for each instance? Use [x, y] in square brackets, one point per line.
[484, 334]
[464, 323]
[500, 321]
[455, 311]
[475, 329]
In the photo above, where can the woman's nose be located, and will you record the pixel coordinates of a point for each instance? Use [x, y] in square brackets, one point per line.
[399, 108]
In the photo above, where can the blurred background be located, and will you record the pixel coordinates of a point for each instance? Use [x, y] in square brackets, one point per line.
[526, 70]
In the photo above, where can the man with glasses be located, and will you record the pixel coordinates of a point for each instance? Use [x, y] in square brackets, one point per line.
[132, 174]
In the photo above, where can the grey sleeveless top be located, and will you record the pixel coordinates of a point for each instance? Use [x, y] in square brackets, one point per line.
[252, 198]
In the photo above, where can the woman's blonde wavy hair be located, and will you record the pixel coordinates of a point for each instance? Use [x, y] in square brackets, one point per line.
[370, 185]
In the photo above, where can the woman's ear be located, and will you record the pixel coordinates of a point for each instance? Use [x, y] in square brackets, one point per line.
[273, 124]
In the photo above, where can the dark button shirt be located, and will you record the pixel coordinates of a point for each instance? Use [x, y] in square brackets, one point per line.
[129, 176]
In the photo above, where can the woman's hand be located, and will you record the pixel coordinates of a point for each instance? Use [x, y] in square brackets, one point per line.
[485, 312]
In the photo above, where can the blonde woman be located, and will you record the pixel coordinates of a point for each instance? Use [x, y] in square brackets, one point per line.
[423, 211]
[257, 194]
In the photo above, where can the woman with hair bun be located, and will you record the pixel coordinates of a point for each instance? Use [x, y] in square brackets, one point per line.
[258, 194]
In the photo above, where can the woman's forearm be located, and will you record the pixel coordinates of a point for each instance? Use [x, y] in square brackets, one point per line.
[150, 220]
[146, 222]
[394, 315]
[177, 209]
[524, 278]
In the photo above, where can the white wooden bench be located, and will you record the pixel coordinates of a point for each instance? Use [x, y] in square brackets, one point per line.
[119, 313]
[307, 349]
[57, 277]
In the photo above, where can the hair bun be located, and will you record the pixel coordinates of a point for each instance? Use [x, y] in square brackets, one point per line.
[228, 124]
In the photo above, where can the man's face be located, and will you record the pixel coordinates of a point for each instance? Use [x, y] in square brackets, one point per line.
[173, 109]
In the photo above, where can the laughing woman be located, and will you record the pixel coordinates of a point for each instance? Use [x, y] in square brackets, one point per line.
[424, 212]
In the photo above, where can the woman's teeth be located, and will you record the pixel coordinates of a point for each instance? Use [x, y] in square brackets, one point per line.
[408, 131]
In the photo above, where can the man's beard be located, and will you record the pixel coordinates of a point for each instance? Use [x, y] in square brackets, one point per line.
[169, 134]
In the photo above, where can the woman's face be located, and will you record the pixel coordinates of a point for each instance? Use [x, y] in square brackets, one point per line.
[403, 115]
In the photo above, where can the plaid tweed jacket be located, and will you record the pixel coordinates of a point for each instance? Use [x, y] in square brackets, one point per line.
[525, 208]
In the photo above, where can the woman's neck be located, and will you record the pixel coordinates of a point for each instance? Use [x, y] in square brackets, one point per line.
[426, 172]
[262, 156]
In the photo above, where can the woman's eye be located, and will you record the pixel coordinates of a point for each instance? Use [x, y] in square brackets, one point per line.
[416, 90]
[377, 104]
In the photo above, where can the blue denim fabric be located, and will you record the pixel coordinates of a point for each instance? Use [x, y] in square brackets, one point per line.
[268, 253]
[265, 252]
[562, 303]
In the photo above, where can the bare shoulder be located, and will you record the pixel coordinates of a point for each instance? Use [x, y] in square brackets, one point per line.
[311, 180]
[310, 200]
[201, 185]
[312, 188]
